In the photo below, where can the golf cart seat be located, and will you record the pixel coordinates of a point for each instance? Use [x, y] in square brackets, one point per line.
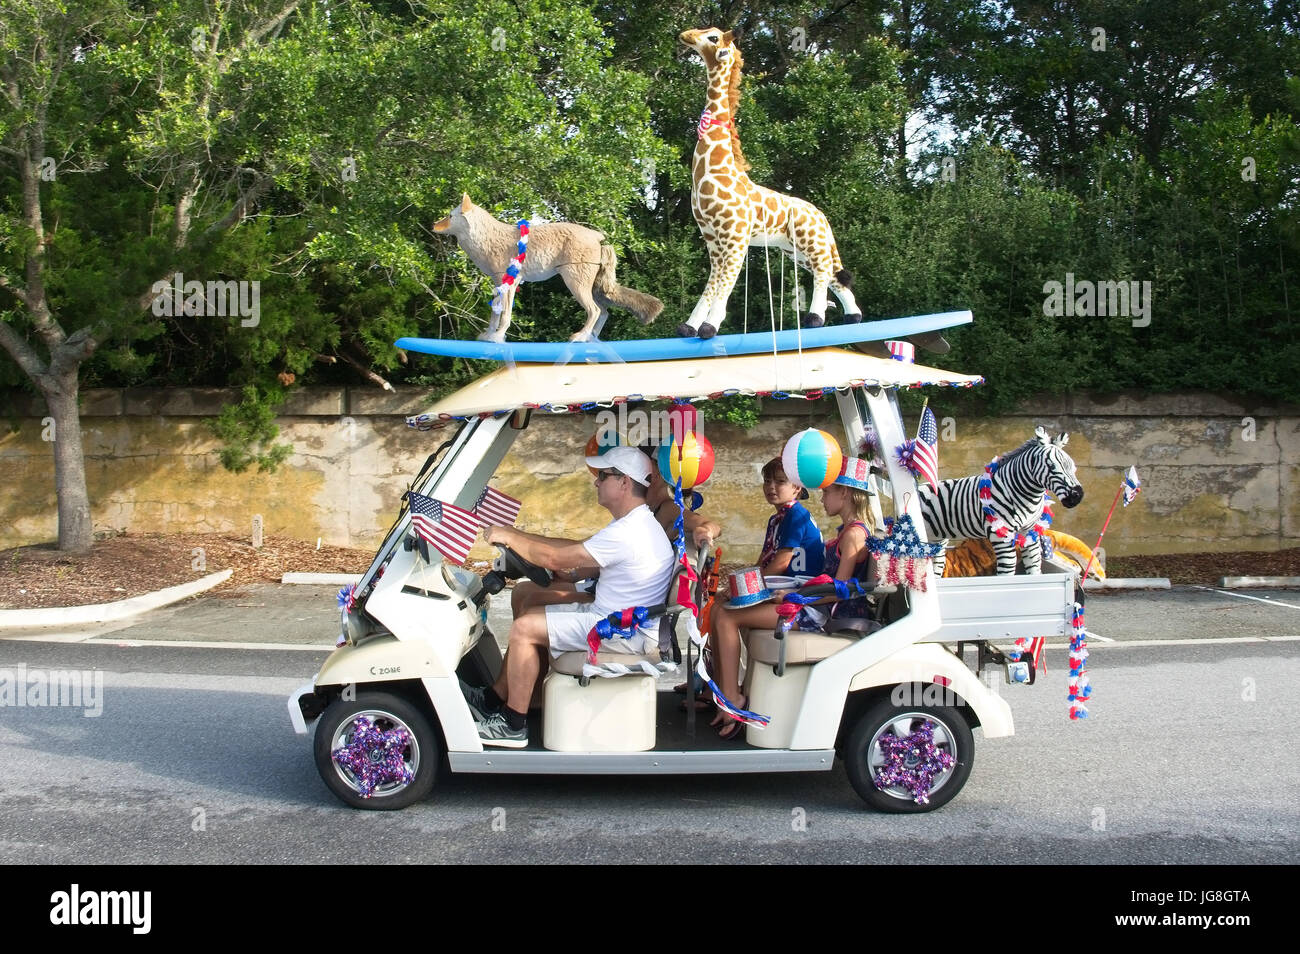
[800, 647]
[605, 713]
[570, 664]
[775, 685]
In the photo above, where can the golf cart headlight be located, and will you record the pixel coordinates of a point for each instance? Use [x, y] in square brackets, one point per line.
[460, 580]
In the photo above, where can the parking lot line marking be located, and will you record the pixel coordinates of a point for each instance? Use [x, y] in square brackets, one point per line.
[1244, 596]
[184, 644]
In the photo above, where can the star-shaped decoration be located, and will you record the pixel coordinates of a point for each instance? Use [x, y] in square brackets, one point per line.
[375, 757]
[912, 762]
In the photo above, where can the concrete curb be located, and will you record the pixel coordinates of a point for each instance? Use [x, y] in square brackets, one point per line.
[108, 612]
[1240, 582]
[1128, 583]
[320, 578]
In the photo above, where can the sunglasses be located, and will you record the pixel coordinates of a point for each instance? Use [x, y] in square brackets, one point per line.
[602, 474]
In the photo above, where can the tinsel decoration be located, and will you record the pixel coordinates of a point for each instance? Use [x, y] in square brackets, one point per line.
[912, 762]
[375, 757]
[347, 598]
[1080, 688]
[906, 454]
[512, 272]
[907, 556]
[870, 445]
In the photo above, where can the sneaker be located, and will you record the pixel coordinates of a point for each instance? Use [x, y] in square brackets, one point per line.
[475, 696]
[495, 730]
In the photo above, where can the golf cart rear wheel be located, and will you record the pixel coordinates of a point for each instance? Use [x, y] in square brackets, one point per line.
[865, 756]
[392, 735]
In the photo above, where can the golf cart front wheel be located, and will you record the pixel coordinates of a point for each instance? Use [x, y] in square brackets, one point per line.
[909, 759]
[377, 751]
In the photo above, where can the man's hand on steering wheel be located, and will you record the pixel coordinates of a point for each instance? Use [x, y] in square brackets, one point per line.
[515, 566]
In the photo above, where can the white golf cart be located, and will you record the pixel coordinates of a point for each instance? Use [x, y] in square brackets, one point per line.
[389, 696]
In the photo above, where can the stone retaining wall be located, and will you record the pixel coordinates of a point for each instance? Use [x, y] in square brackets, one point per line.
[1217, 473]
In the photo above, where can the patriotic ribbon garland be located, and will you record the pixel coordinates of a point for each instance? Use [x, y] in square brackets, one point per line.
[685, 590]
[1080, 687]
[429, 422]
[791, 603]
[621, 624]
[512, 272]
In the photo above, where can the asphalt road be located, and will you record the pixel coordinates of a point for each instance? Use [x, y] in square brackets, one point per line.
[1189, 757]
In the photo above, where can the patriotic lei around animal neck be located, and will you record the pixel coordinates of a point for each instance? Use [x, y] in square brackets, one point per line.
[707, 120]
[512, 272]
[999, 526]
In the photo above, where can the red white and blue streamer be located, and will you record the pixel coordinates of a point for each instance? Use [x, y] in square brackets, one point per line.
[1080, 688]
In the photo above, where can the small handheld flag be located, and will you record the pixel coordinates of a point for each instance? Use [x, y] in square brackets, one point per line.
[1132, 485]
[494, 507]
[451, 530]
[926, 454]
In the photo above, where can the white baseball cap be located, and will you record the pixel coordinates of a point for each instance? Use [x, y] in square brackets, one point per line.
[626, 460]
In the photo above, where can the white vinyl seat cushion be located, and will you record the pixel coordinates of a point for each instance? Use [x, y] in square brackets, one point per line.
[800, 647]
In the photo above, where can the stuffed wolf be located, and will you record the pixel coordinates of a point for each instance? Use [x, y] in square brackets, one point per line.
[577, 254]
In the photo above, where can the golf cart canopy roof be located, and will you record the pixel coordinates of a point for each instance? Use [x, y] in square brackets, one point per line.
[579, 387]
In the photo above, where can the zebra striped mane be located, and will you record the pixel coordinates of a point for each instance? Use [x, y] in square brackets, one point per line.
[1020, 451]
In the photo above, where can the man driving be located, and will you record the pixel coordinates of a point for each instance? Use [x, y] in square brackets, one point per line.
[636, 564]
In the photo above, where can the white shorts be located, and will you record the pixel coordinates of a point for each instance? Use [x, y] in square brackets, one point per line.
[567, 624]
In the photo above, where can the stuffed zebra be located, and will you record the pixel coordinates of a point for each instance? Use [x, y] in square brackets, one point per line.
[1018, 481]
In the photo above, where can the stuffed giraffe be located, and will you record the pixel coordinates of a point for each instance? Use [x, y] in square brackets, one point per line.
[733, 213]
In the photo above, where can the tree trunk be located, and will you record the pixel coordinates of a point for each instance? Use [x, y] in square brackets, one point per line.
[75, 527]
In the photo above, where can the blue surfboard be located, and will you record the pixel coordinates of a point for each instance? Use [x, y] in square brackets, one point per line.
[669, 349]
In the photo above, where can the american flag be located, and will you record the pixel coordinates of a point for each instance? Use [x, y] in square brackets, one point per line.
[448, 528]
[926, 453]
[496, 508]
[1132, 486]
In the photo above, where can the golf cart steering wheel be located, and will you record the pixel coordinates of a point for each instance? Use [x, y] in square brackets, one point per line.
[515, 566]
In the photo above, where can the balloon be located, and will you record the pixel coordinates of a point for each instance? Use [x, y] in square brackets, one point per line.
[595, 449]
[695, 463]
[812, 459]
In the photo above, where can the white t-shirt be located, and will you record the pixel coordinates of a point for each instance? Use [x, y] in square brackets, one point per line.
[636, 562]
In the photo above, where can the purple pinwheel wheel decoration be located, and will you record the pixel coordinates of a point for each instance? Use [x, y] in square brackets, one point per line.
[375, 757]
[912, 762]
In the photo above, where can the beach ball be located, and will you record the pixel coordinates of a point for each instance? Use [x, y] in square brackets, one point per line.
[595, 448]
[812, 459]
[693, 464]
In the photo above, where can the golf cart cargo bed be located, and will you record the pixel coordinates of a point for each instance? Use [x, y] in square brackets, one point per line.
[1004, 608]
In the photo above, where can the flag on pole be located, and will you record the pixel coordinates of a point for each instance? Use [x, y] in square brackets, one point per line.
[1132, 486]
[926, 454]
[496, 508]
[448, 528]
